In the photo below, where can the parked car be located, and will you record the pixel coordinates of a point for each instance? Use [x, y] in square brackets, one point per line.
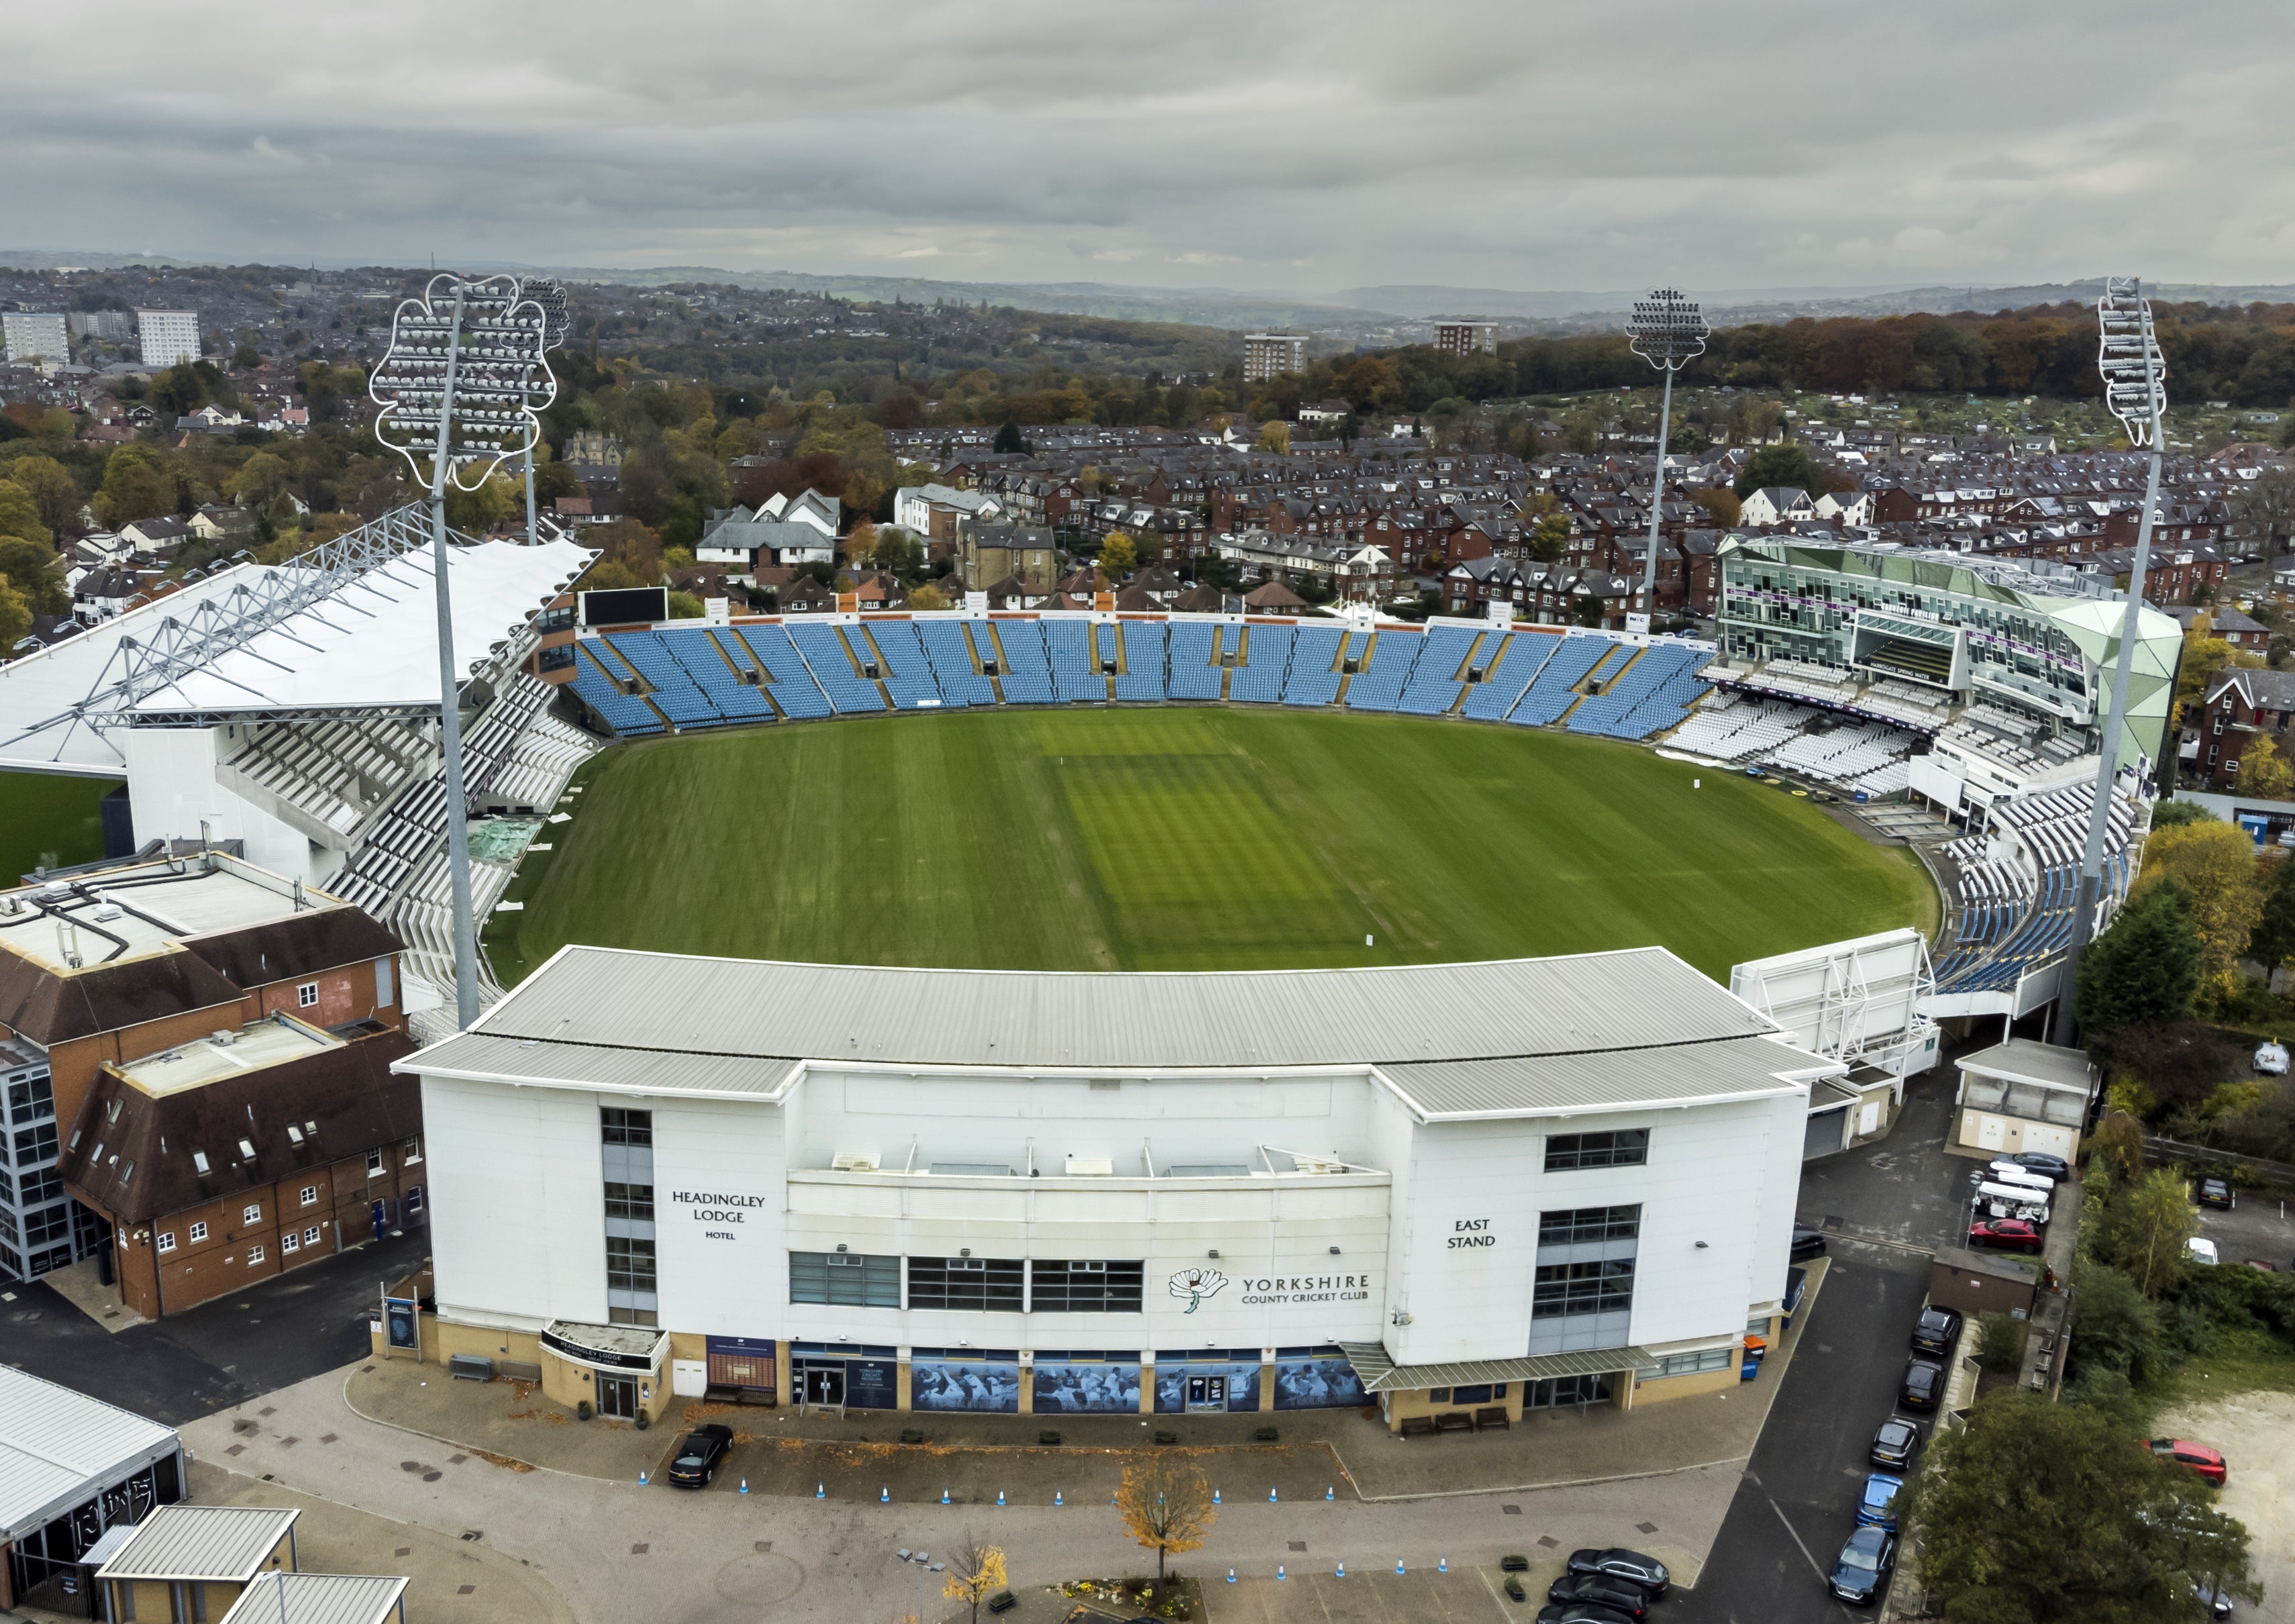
[1581, 1613]
[2204, 1461]
[2040, 1162]
[697, 1459]
[2216, 1601]
[1895, 1444]
[1876, 1507]
[2008, 1234]
[1600, 1590]
[1806, 1243]
[1863, 1566]
[2271, 1060]
[1923, 1387]
[2213, 1193]
[1936, 1331]
[2199, 1249]
[1647, 1573]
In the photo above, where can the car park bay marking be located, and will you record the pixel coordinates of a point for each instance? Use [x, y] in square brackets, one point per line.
[1823, 1578]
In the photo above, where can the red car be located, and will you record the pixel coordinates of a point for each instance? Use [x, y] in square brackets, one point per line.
[2009, 1234]
[2203, 1461]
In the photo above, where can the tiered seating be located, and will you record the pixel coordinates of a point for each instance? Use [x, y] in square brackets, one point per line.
[1844, 753]
[1516, 664]
[701, 655]
[675, 694]
[1555, 691]
[1315, 675]
[1434, 686]
[402, 837]
[793, 687]
[1077, 676]
[632, 718]
[1806, 678]
[1378, 685]
[1193, 676]
[539, 763]
[1734, 728]
[1654, 694]
[1260, 682]
[337, 772]
[950, 659]
[1906, 702]
[2016, 889]
[489, 744]
[1143, 676]
[825, 656]
[901, 654]
[1894, 777]
[1027, 671]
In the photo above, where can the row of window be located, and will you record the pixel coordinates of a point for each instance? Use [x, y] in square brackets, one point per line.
[1007, 1285]
[1582, 1225]
[29, 1098]
[36, 1184]
[1560, 1289]
[289, 1241]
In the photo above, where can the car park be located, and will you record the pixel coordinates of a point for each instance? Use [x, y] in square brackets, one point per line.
[2040, 1162]
[694, 1463]
[1923, 1387]
[1647, 1572]
[2204, 1461]
[2007, 1233]
[2213, 1193]
[1895, 1444]
[1876, 1506]
[1863, 1566]
[1581, 1613]
[2201, 1249]
[1600, 1590]
[1806, 1243]
[1938, 1330]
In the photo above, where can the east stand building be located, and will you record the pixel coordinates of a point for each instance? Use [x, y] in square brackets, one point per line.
[1446, 1187]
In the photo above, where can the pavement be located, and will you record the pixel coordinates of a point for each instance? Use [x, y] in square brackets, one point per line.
[2256, 1432]
[2257, 1226]
[192, 1364]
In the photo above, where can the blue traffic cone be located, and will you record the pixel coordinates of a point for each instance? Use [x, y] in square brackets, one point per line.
[885, 1497]
[944, 1497]
[745, 1485]
[1270, 1496]
[642, 1479]
[820, 1491]
[1397, 1567]
[1330, 1491]
[1056, 1498]
[1279, 1573]
[1442, 1566]
[999, 1497]
[1215, 1499]
[1343, 1570]
[1230, 1576]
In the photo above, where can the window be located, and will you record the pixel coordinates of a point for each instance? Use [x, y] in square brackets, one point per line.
[36, 1144]
[629, 1264]
[306, 996]
[1567, 1289]
[310, 1196]
[251, 1214]
[199, 1161]
[247, 1150]
[1084, 1287]
[1624, 1148]
[294, 1134]
[556, 659]
[311, 1236]
[374, 1163]
[413, 1201]
[629, 1200]
[847, 1279]
[978, 1284]
[288, 1243]
[413, 1152]
[1686, 1364]
[49, 1224]
[617, 1315]
[29, 1099]
[254, 1255]
[1585, 1224]
[166, 1242]
[626, 1126]
[199, 1233]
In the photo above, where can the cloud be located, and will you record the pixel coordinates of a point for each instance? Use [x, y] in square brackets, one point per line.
[1291, 147]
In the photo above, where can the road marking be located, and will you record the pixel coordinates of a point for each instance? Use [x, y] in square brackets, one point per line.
[1823, 1578]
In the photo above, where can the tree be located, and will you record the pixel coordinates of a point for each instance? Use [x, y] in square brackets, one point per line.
[15, 618]
[2119, 1142]
[135, 485]
[1720, 504]
[20, 516]
[2147, 968]
[2214, 865]
[928, 597]
[53, 491]
[32, 568]
[2265, 506]
[1008, 437]
[2203, 659]
[1778, 465]
[1550, 539]
[975, 1572]
[2115, 1326]
[1117, 555]
[261, 481]
[2272, 939]
[2264, 773]
[1275, 437]
[1581, 432]
[861, 545]
[2000, 1343]
[2096, 1533]
[2147, 1230]
[1166, 1504]
[685, 606]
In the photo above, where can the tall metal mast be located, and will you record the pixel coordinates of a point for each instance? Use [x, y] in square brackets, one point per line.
[1669, 333]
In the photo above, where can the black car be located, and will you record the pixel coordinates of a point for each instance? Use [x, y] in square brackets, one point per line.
[1863, 1566]
[1923, 1387]
[2213, 1193]
[1581, 1613]
[1895, 1444]
[2047, 1166]
[1645, 1573]
[1600, 1590]
[1936, 1331]
[697, 1459]
[1806, 1243]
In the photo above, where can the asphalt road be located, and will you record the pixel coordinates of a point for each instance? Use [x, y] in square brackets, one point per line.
[192, 1364]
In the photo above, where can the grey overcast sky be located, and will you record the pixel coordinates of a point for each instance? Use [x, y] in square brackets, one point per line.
[1294, 147]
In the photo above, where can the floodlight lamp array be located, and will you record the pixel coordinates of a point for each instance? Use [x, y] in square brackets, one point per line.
[557, 319]
[2128, 355]
[1668, 330]
[479, 371]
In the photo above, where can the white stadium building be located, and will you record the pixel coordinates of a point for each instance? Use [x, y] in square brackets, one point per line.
[1438, 1188]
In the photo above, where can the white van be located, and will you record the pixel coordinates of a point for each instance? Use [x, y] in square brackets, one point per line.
[2013, 1201]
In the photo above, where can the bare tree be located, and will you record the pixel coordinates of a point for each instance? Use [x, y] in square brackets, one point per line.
[1166, 1504]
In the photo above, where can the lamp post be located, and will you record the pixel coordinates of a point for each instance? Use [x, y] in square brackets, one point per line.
[458, 388]
[1669, 333]
[2135, 377]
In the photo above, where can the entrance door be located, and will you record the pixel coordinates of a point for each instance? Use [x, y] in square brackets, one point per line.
[1207, 1392]
[824, 1386]
[1991, 1132]
[617, 1397]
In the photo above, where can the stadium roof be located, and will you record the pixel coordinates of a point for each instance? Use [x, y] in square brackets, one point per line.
[1598, 1031]
[58, 1447]
[230, 1542]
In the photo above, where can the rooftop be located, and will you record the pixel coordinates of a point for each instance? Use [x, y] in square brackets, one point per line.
[2022, 1060]
[58, 1446]
[201, 1542]
[318, 1598]
[127, 912]
[227, 1054]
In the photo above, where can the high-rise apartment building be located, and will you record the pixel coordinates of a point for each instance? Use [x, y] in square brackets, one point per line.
[1270, 355]
[35, 332]
[1466, 337]
[169, 338]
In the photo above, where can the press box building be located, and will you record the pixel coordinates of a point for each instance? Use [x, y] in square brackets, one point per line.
[1430, 1188]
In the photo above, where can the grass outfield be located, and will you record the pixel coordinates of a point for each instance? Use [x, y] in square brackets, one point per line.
[48, 821]
[1165, 839]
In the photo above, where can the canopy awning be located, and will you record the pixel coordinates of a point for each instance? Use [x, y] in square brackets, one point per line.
[1378, 1372]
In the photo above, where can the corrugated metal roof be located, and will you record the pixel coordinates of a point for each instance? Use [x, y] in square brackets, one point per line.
[1741, 1068]
[483, 1055]
[614, 998]
[317, 1598]
[2022, 1060]
[58, 1447]
[1380, 1374]
[206, 1542]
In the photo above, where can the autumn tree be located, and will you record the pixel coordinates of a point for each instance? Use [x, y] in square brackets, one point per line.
[928, 597]
[1117, 554]
[2214, 865]
[15, 618]
[260, 481]
[975, 1572]
[2203, 659]
[2272, 940]
[2141, 1231]
[2264, 773]
[53, 491]
[1720, 504]
[137, 484]
[1275, 437]
[1789, 466]
[1165, 1504]
[2265, 506]
[861, 545]
[33, 569]
[20, 516]
[1550, 539]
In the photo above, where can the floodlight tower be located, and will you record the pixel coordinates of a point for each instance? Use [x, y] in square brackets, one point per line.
[2135, 391]
[549, 293]
[460, 388]
[1669, 333]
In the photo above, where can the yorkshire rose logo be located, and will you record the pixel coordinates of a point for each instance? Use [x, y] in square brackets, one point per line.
[1196, 1285]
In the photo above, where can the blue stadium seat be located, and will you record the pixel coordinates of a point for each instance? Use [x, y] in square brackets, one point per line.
[1260, 680]
[1553, 691]
[1378, 685]
[1511, 670]
[629, 717]
[824, 655]
[1434, 686]
[900, 656]
[1144, 652]
[1193, 675]
[1027, 677]
[1315, 675]
[793, 687]
[950, 657]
